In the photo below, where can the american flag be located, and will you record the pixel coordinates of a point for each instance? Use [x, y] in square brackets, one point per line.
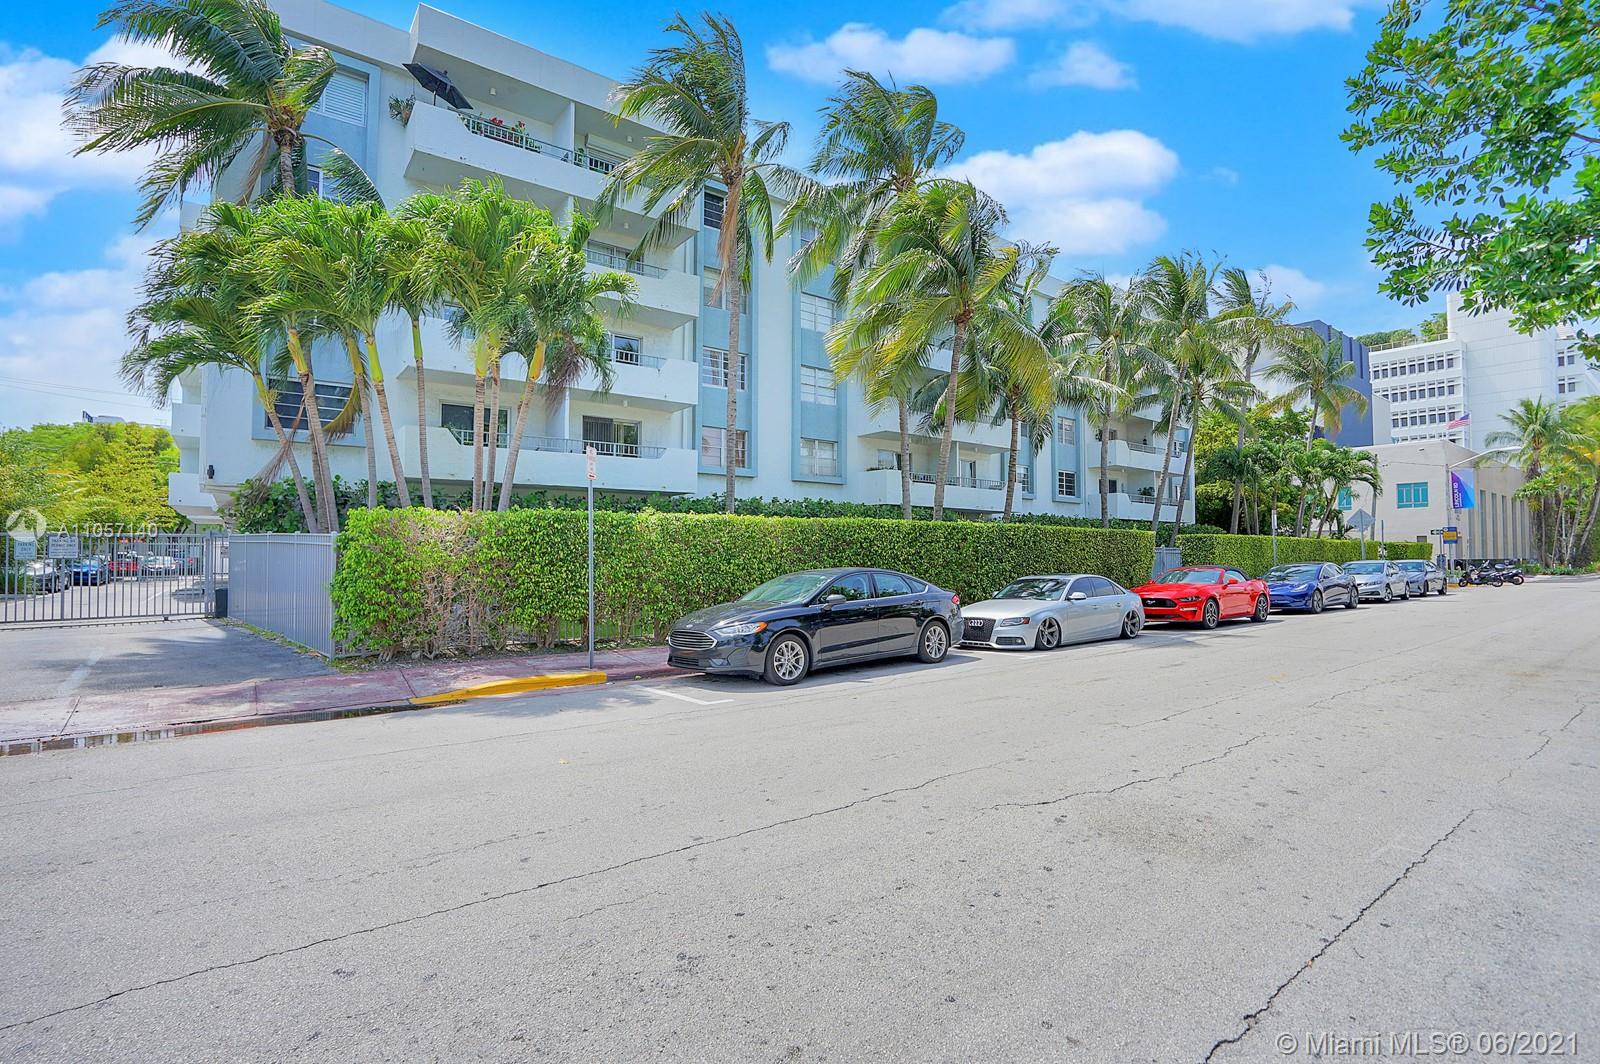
[1461, 422]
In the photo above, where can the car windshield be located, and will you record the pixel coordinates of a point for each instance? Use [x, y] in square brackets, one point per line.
[1032, 589]
[1363, 567]
[1415, 567]
[795, 587]
[1292, 572]
[1191, 576]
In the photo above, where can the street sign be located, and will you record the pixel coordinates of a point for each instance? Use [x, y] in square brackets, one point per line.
[589, 457]
[62, 545]
[1361, 521]
[1451, 529]
[1451, 536]
[24, 550]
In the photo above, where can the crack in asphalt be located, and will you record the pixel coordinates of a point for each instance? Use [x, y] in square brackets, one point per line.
[1548, 734]
[1165, 778]
[1251, 1019]
[503, 895]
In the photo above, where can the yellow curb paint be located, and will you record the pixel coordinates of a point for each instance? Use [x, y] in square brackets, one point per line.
[514, 686]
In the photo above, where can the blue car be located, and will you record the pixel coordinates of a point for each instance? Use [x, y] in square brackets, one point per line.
[1311, 586]
[90, 570]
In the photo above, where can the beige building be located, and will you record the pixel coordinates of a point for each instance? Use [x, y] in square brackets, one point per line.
[1416, 500]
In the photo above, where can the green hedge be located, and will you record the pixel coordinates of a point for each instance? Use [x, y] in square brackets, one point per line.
[1253, 554]
[428, 582]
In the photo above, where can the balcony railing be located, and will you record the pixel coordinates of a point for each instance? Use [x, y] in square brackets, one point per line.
[517, 138]
[955, 481]
[1144, 448]
[616, 259]
[602, 447]
[637, 358]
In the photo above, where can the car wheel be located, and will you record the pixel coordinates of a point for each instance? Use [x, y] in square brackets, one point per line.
[1211, 615]
[1049, 635]
[1263, 607]
[1444, 588]
[1352, 598]
[1388, 593]
[1316, 602]
[934, 644]
[788, 661]
[1405, 596]
[1131, 625]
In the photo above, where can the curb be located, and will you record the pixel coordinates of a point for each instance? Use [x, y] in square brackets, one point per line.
[515, 685]
[151, 732]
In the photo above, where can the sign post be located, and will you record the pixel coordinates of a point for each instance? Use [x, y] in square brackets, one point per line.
[589, 461]
[1274, 533]
[1362, 522]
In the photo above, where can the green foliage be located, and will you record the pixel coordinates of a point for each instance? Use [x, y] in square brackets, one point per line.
[80, 473]
[1252, 555]
[1488, 112]
[273, 507]
[1387, 336]
[424, 581]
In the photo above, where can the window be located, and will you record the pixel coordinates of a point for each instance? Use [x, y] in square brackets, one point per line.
[1098, 587]
[711, 210]
[458, 419]
[714, 369]
[1567, 386]
[1412, 496]
[1066, 431]
[853, 587]
[819, 458]
[816, 313]
[345, 98]
[888, 460]
[816, 386]
[1566, 358]
[286, 393]
[1234, 574]
[1345, 500]
[709, 296]
[892, 584]
[1067, 484]
[618, 438]
[626, 349]
[711, 441]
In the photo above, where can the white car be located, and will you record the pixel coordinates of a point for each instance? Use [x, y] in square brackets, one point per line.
[1045, 612]
[1380, 581]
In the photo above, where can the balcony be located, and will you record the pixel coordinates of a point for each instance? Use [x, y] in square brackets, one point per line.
[1138, 507]
[662, 297]
[885, 426]
[184, 495]
[549, 461]
[186, 422]
[961, 493]
[1121, 454]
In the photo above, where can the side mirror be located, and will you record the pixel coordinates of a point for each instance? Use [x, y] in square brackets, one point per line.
[1232, 580]
[1078, 596]
[834, 599]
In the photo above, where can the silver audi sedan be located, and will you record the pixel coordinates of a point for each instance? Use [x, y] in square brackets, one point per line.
[1044, 612]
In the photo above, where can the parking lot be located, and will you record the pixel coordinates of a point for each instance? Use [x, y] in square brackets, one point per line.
[1192, 846]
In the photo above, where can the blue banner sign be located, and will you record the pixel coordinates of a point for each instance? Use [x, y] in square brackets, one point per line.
[1463, 489]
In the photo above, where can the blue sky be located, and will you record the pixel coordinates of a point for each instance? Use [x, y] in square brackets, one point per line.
[1117, 129]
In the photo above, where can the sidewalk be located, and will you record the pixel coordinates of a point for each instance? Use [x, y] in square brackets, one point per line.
[59, 723]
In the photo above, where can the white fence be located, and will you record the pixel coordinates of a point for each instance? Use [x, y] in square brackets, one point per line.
[279, 581]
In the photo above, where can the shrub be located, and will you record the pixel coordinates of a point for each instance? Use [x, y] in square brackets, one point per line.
[1252, 555]
[429, 582]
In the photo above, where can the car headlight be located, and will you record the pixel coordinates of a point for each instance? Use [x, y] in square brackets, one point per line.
[1190, 598]
[734, 631]
[1006, 622]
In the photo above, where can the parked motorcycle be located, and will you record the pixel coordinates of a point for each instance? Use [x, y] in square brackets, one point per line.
[1483, 574]
[1511, 574]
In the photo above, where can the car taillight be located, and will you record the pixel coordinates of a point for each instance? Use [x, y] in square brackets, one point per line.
[955, 600]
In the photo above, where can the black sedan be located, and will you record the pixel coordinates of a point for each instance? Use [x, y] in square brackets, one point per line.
[792, 624]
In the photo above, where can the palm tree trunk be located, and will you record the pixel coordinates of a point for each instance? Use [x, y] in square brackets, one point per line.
[1305, 491]
[326, 501]
[1011, 468]
[267, 401]
[1238, 484]
[494, 434]
[1582, 540]
[363, 387]
[1105, 459]
[285, 142]
[733, 290]
[947, 434]
[905, 458]
[375, 373]
[523, 404]
[478, 397]
[422, 415]
[1166, 460]
[1183, 492]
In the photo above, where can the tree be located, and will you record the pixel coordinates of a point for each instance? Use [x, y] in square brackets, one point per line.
[1435, 327]
[1111, 327]
[244, 86]
[414, 291]
[563, 332]
[1489, 112]
[1212, 382]
[1315, 372]
[939, 262]
[1539, 431]
[695, 89]
[856, 349]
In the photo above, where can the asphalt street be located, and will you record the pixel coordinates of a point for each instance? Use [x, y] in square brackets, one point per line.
[1195, 846]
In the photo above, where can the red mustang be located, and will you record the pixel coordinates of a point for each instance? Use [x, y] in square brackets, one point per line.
[1204, 595]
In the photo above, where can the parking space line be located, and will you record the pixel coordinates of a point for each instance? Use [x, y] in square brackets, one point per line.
[686, 698]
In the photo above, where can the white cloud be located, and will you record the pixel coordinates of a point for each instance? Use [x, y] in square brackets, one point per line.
[19, 201]
[923, 55]
[1083, 63]
[1230, 20]
[1224, 175]
[1083, 193]
[1290, 283]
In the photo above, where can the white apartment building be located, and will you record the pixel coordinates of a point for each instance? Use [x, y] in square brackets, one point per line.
[1484, 367]
[547, 129]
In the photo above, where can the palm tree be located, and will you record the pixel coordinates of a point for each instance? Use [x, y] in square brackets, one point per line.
[1112, 328]
[938, 263]
[1538, 430]
[1316, 372]
[415, 292]
[1212, 381]
[563, 333]
[245, 87]
[855, 347]
[1261, 324]
[695, 89]
[192, 316]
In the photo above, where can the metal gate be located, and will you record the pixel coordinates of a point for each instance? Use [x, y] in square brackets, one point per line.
[110, 574]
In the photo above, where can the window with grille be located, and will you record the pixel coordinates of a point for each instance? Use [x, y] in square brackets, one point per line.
[819, 458]
[711, 210]
[626, 349]
[816, 313]
[1413, 496]
[345, 98]
[1067, 484]
[1066, 431]
[816, 386]
[286, 393]
[711, 447]
[714, 369]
